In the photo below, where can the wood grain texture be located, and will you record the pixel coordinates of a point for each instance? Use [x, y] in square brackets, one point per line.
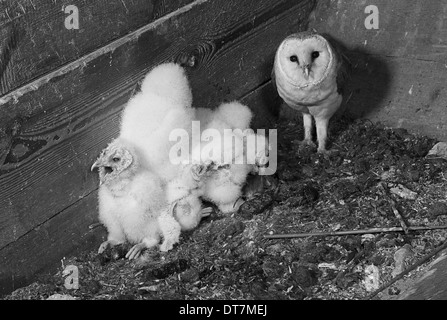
[399, 70]
[53, 129]
[42, 249]
[265, 102]
[407, 28]
[42, 42]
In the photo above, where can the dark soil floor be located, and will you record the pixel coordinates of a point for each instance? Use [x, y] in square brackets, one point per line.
[228, 257]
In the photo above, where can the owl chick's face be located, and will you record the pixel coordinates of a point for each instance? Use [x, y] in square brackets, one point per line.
[115, 162]
[304, 61]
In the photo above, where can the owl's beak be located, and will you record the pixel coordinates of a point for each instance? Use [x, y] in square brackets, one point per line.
[306, 71]
[97, 164]
[103, 168]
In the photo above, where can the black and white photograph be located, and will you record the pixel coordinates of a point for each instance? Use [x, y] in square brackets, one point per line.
[234, 158]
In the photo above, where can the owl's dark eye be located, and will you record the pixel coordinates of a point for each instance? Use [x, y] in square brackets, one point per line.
[294, 58]
[116, 159]
[315, 55]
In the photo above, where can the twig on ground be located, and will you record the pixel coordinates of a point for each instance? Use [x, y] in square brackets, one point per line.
[394, 208]
[349, 232]
[399, 217]
[350, 266]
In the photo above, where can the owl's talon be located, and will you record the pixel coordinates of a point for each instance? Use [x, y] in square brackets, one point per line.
[239, 202]
[106, 244]
[172, 208]
[229, 208]
[135, 251]
[103, 247]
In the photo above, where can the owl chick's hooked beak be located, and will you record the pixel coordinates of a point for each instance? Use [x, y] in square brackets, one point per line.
[103, 167]
[112, 162]
[99, 163]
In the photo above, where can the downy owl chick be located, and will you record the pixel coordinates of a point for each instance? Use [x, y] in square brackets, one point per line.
[236, 153]
[132, 202]
[309, 73]
[162, 106]
[184, 192]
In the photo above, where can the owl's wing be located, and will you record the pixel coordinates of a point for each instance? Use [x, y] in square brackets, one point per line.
[344, 65]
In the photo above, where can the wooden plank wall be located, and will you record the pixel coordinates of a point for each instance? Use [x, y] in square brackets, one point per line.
[34, 41]
[52, 128]
[400, 69]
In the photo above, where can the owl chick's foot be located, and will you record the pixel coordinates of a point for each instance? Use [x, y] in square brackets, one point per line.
[168, 243]
[170, 229]
[239, 202]
[166, 246]
[231, 207]
[205, 212]
[135, 251]
[107, 244]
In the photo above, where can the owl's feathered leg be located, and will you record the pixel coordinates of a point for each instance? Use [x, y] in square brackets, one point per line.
[321, 124]
[307, 124]
[170, 229]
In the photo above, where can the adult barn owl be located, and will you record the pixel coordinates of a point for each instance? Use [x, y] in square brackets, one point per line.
[309, 73]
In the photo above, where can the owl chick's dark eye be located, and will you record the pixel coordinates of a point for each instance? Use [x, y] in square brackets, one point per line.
[294, 58]
[315, 55]
[116, 159]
